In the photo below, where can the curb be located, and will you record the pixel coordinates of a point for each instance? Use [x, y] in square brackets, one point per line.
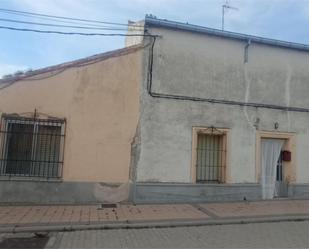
[150, 224]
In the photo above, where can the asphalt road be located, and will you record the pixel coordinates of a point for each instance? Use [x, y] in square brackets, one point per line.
[262, 235]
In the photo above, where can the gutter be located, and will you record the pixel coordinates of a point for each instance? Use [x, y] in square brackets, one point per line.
[147, 224]
[155, 22]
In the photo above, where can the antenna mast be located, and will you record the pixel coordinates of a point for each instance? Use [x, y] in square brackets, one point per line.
[225, 7]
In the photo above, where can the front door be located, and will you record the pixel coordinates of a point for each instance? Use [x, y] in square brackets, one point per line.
[270, 154]
[281, 188]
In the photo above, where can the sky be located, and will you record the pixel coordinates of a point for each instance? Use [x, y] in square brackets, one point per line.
[279, 19]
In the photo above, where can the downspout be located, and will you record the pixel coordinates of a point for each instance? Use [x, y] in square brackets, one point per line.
[150, 67]
[246, 55]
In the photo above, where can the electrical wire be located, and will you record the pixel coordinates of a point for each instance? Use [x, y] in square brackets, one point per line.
[73, 33]
[59, 25]
[213, 101]
[51, 19]
[65, 18]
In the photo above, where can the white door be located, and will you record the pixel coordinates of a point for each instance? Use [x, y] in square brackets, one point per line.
[270, 153]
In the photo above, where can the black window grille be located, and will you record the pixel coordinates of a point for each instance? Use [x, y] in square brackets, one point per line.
[31, 147]
[211, 158]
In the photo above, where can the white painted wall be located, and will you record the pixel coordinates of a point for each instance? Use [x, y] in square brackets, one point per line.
[204, 66]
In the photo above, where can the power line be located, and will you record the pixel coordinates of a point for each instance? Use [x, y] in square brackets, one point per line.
[50, 19]
[59, 25]
[74, 33]
[65, 18]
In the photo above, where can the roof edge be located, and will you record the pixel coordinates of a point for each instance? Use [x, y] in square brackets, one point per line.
[79, 62]
[153, 21]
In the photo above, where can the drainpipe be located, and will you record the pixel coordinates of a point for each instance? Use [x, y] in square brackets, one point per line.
[246, 56]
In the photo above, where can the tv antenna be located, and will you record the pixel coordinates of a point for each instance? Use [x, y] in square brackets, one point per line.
[226, 7]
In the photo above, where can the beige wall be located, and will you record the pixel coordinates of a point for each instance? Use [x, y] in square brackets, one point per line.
[100, 103]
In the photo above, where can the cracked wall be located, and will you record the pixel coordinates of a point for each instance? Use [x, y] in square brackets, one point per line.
[204, 66]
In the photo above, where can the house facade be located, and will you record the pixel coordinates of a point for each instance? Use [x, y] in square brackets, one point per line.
[182, 114]
[224, 116]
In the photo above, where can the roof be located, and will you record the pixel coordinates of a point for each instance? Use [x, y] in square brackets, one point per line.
[150, 20]
[76, 63]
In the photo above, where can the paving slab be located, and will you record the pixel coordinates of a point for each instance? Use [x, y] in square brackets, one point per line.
[52, 215]
[85, 217]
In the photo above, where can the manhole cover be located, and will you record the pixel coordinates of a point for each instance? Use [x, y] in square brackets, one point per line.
[19, 243]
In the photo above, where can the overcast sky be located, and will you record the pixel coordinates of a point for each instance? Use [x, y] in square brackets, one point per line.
[279, 19]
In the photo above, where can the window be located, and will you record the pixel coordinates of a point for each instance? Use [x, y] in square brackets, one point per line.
[210, 160]
[31, 147]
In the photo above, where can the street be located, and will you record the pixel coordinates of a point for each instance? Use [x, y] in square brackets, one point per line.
[258, 235]
[18, 225]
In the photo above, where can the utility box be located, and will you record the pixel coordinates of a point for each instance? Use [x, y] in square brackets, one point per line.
[286, 156]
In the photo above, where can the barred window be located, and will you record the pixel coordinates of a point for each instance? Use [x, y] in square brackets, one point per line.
[211, 157]
[31, 147]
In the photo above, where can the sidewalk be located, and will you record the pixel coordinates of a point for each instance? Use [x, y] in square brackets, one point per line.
[65, 217]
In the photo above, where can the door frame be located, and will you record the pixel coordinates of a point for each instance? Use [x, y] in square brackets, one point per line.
[290, 145]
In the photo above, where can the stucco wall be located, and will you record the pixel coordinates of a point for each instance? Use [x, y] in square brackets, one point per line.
[204, 66]
[101, 105]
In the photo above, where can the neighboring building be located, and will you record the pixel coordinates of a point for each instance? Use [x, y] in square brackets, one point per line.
[188, 113]
[67, 128]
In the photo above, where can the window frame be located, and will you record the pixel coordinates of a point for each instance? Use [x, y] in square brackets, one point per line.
[6, 120]
[226, 146]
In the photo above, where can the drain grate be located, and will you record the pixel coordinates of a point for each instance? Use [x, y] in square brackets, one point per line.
[23, 243]
[108, 205]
